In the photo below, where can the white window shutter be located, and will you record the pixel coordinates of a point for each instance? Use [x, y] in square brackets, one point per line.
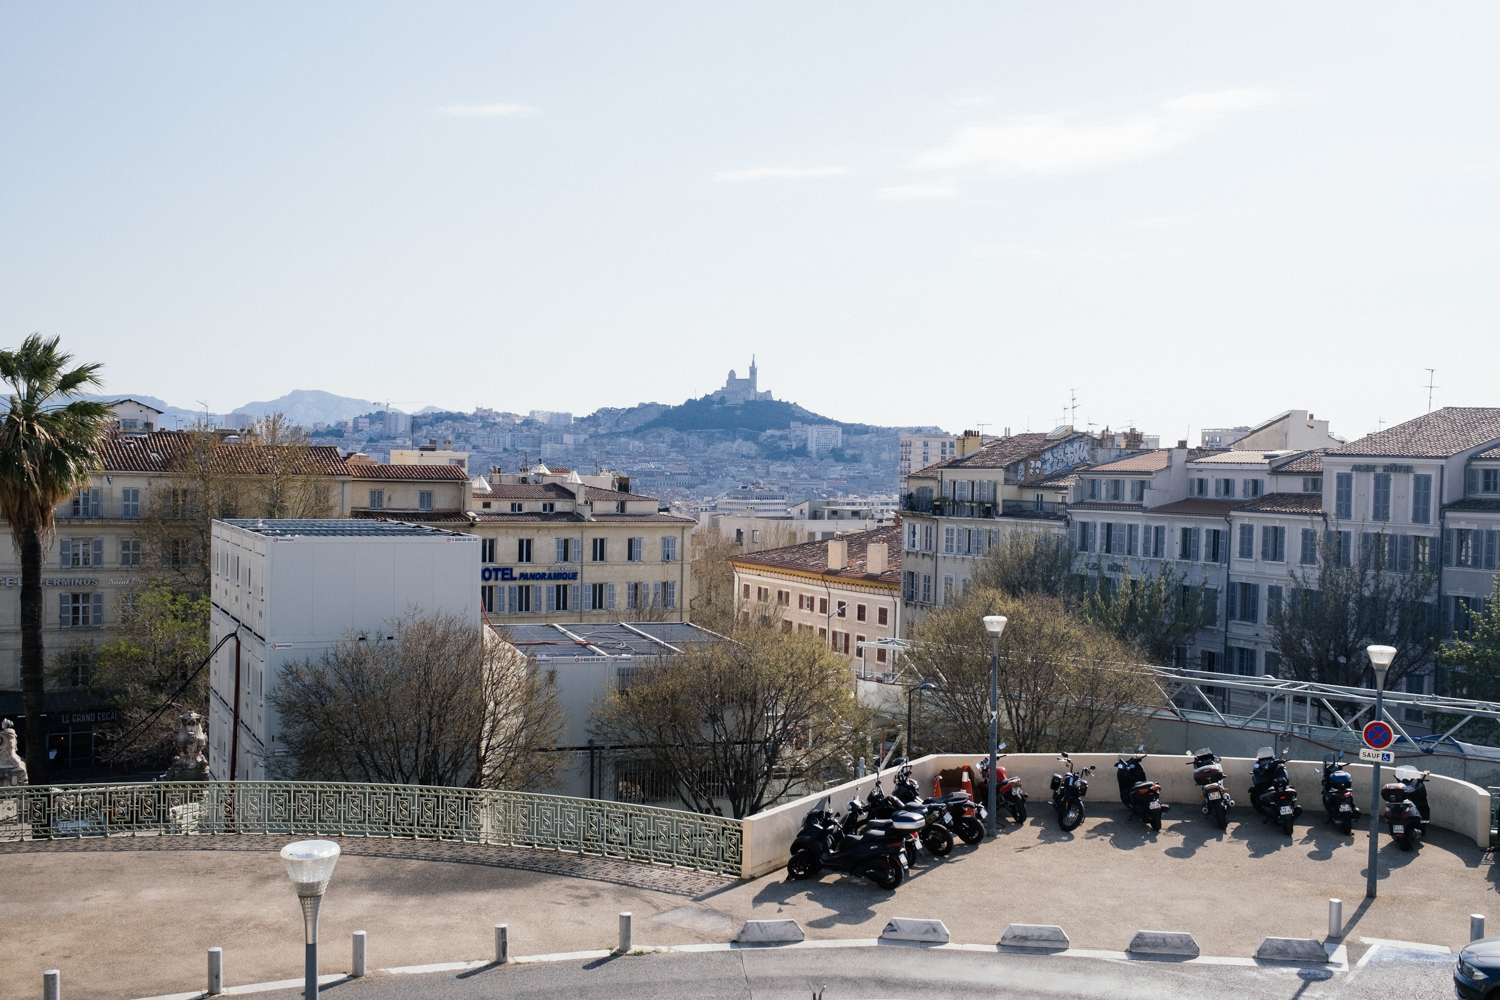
[98, 609]
[62, 610]
[578, 549]
[610, 596]
[656, 594]
[66, 553]
[574, 601]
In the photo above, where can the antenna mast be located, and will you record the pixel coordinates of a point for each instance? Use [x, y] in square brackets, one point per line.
[1430, 373]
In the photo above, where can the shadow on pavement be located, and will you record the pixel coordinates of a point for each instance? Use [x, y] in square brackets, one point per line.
[850, 898]
[1123, 831]
[1195, 829]
[1325, 838]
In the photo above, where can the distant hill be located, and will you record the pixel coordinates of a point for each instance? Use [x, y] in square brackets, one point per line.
[311, 406]
[758, 415]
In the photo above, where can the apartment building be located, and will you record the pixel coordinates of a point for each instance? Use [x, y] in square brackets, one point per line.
[571, 552]
[918, 451]
[847, 589]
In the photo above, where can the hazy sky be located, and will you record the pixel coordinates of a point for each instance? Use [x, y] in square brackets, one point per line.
[1191, 214]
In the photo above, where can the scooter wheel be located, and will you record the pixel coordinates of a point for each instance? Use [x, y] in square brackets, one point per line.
[1154, 820]
[1221, 815]
[1286, 825]
[1072, 816]
[938, 840]
[888, 877]
[804, 864]
[1018, 810]
[1346, 826]
[1404, 841]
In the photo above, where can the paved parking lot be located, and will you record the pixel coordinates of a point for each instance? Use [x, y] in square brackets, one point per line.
[132, 918]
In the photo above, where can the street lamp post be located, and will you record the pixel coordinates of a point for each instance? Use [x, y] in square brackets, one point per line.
[1380, 659]
[924, 686]
[309, 864]
[994, 625]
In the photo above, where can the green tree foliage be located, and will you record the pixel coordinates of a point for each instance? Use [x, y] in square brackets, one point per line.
[1065, 684]
[746, 721]
[1473, 663]
[48, 448]
[1155, 614]
[1027, 562]
[1331, 614]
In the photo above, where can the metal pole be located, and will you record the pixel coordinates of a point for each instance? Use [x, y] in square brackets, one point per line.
[1375, 791]
[502, 944]
[310, 926]
[215, 972]
[357, 965]
[909, 692]
[51, 988]
[1476, 926]
[1335, 918]
[994, 726]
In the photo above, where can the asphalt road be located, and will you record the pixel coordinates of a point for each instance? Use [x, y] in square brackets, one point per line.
[910, 973]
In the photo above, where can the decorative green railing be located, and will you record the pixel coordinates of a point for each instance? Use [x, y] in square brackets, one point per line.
[421, 812]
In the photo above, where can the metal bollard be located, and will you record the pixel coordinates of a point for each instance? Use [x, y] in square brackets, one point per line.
[624, 932]
[1335, 918]
[215, 972]
[502, 944]
[861, 772]
[1476, 926]
[357, 965]
[51, 988]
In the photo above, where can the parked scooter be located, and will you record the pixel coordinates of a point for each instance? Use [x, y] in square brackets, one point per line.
[1271, 791]
[1406, 812]
[1139, 794]
[1009, 792]
[959, 812]
[822, 843]
[1208, 774]
[1068, 790]
[880, 811]
[1338, 793]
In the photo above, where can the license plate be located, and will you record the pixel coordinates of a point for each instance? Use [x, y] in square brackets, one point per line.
[1214, 795]
[1346, 807]
[1286, 810]
[1398, 828]
[983, 813]
[947, 817]
[1154, 805]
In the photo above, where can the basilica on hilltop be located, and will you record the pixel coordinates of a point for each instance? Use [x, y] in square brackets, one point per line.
[740, 390]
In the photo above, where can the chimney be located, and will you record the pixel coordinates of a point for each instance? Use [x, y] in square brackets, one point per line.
[875, 558]
[838, 554]
[1182, 443]
[969, 442]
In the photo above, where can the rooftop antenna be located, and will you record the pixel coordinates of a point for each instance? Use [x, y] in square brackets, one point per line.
[1073, 406]
[1430, 387]
[981, 430]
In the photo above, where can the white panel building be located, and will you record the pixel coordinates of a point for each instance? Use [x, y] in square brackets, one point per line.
[294, 588]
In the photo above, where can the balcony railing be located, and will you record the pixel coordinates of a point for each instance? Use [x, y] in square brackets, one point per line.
[422, 812]
[1033, 508]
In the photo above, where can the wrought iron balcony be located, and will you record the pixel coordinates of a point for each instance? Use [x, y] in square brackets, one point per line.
[1034, 508]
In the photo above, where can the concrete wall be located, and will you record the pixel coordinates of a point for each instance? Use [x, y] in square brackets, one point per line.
[1456, 805]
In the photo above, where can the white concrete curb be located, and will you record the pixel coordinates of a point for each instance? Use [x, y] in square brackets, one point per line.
[1173, 943]
[1034, 936]
[770, 932]
[915, 929]
[1287, 949]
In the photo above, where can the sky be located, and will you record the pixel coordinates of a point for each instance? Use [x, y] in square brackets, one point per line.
[1176, 215]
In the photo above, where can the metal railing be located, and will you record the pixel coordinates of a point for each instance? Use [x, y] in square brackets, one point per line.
[1033, 508]
[421, 812]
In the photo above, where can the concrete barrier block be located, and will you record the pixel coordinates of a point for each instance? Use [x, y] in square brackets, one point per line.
[1176, 943]
[1034, 936]
[770, 932]
[915, 929]
[1284, 949]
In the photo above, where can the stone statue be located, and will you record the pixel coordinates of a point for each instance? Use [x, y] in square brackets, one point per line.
[12, 767]
[190, 764]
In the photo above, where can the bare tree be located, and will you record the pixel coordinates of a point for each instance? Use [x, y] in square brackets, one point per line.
[1065, 684]
[712, 602]
[1473, 659]
[440, 704]
[1328, 616]
[747, 721]
[1026, 561]
[1155, 614]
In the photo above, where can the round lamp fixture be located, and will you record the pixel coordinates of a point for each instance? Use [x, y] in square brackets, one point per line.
[994, 625]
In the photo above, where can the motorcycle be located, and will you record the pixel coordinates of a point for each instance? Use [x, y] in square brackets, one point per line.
[1407, 812]
[958, 811]
[881, 811]
[1139, 794]
[1068, 790]
[1271, 791]
[1007, 791]
[1338, 793]
[875, 855]
[1208, 774]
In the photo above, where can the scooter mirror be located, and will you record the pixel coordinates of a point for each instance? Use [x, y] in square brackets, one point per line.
[1140, 748]
[1000, 746]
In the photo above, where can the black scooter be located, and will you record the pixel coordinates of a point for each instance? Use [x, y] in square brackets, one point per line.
[822, 843]
[1068, 790]
[1406, 812]
[882, 812]
[1338, 793]
[1139, 794]
[1208, 774]
[1271, 791]
[955, 811]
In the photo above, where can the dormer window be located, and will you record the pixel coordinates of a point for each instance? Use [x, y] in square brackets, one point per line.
[619, 506]
[549, 508]
[516, 508]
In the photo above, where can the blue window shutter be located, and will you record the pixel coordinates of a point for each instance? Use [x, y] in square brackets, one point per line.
[1253, 611]
[98, 609]
[66, 553]
[98, 552]
[1447, 546]
[1231, 601]
[62, 610]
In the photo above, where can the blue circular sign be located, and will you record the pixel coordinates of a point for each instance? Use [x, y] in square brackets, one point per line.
[1379, 735]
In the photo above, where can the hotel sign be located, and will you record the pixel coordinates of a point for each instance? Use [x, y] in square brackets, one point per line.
[509, 573]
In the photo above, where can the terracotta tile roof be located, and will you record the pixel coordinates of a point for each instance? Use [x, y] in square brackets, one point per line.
[1197, 505]
[1438, 434]
[995, 455]
[412, 516]
[1088, 505]
[527, 491]
[157, 451]
[657, 518]
[422, 473]
[1492, 453]
[1285, 503]
[501, 517]
[596, 493]
[1307, 462]
[1059, 480]
[1474, 503]
[812, 557]
[1151, 461]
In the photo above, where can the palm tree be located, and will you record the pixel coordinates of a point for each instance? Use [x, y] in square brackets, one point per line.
[48, 448]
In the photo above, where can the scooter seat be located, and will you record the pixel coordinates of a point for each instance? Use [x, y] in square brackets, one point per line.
[1141, 786]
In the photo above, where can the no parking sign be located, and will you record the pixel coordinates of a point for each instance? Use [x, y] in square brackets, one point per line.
[1379, 735]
